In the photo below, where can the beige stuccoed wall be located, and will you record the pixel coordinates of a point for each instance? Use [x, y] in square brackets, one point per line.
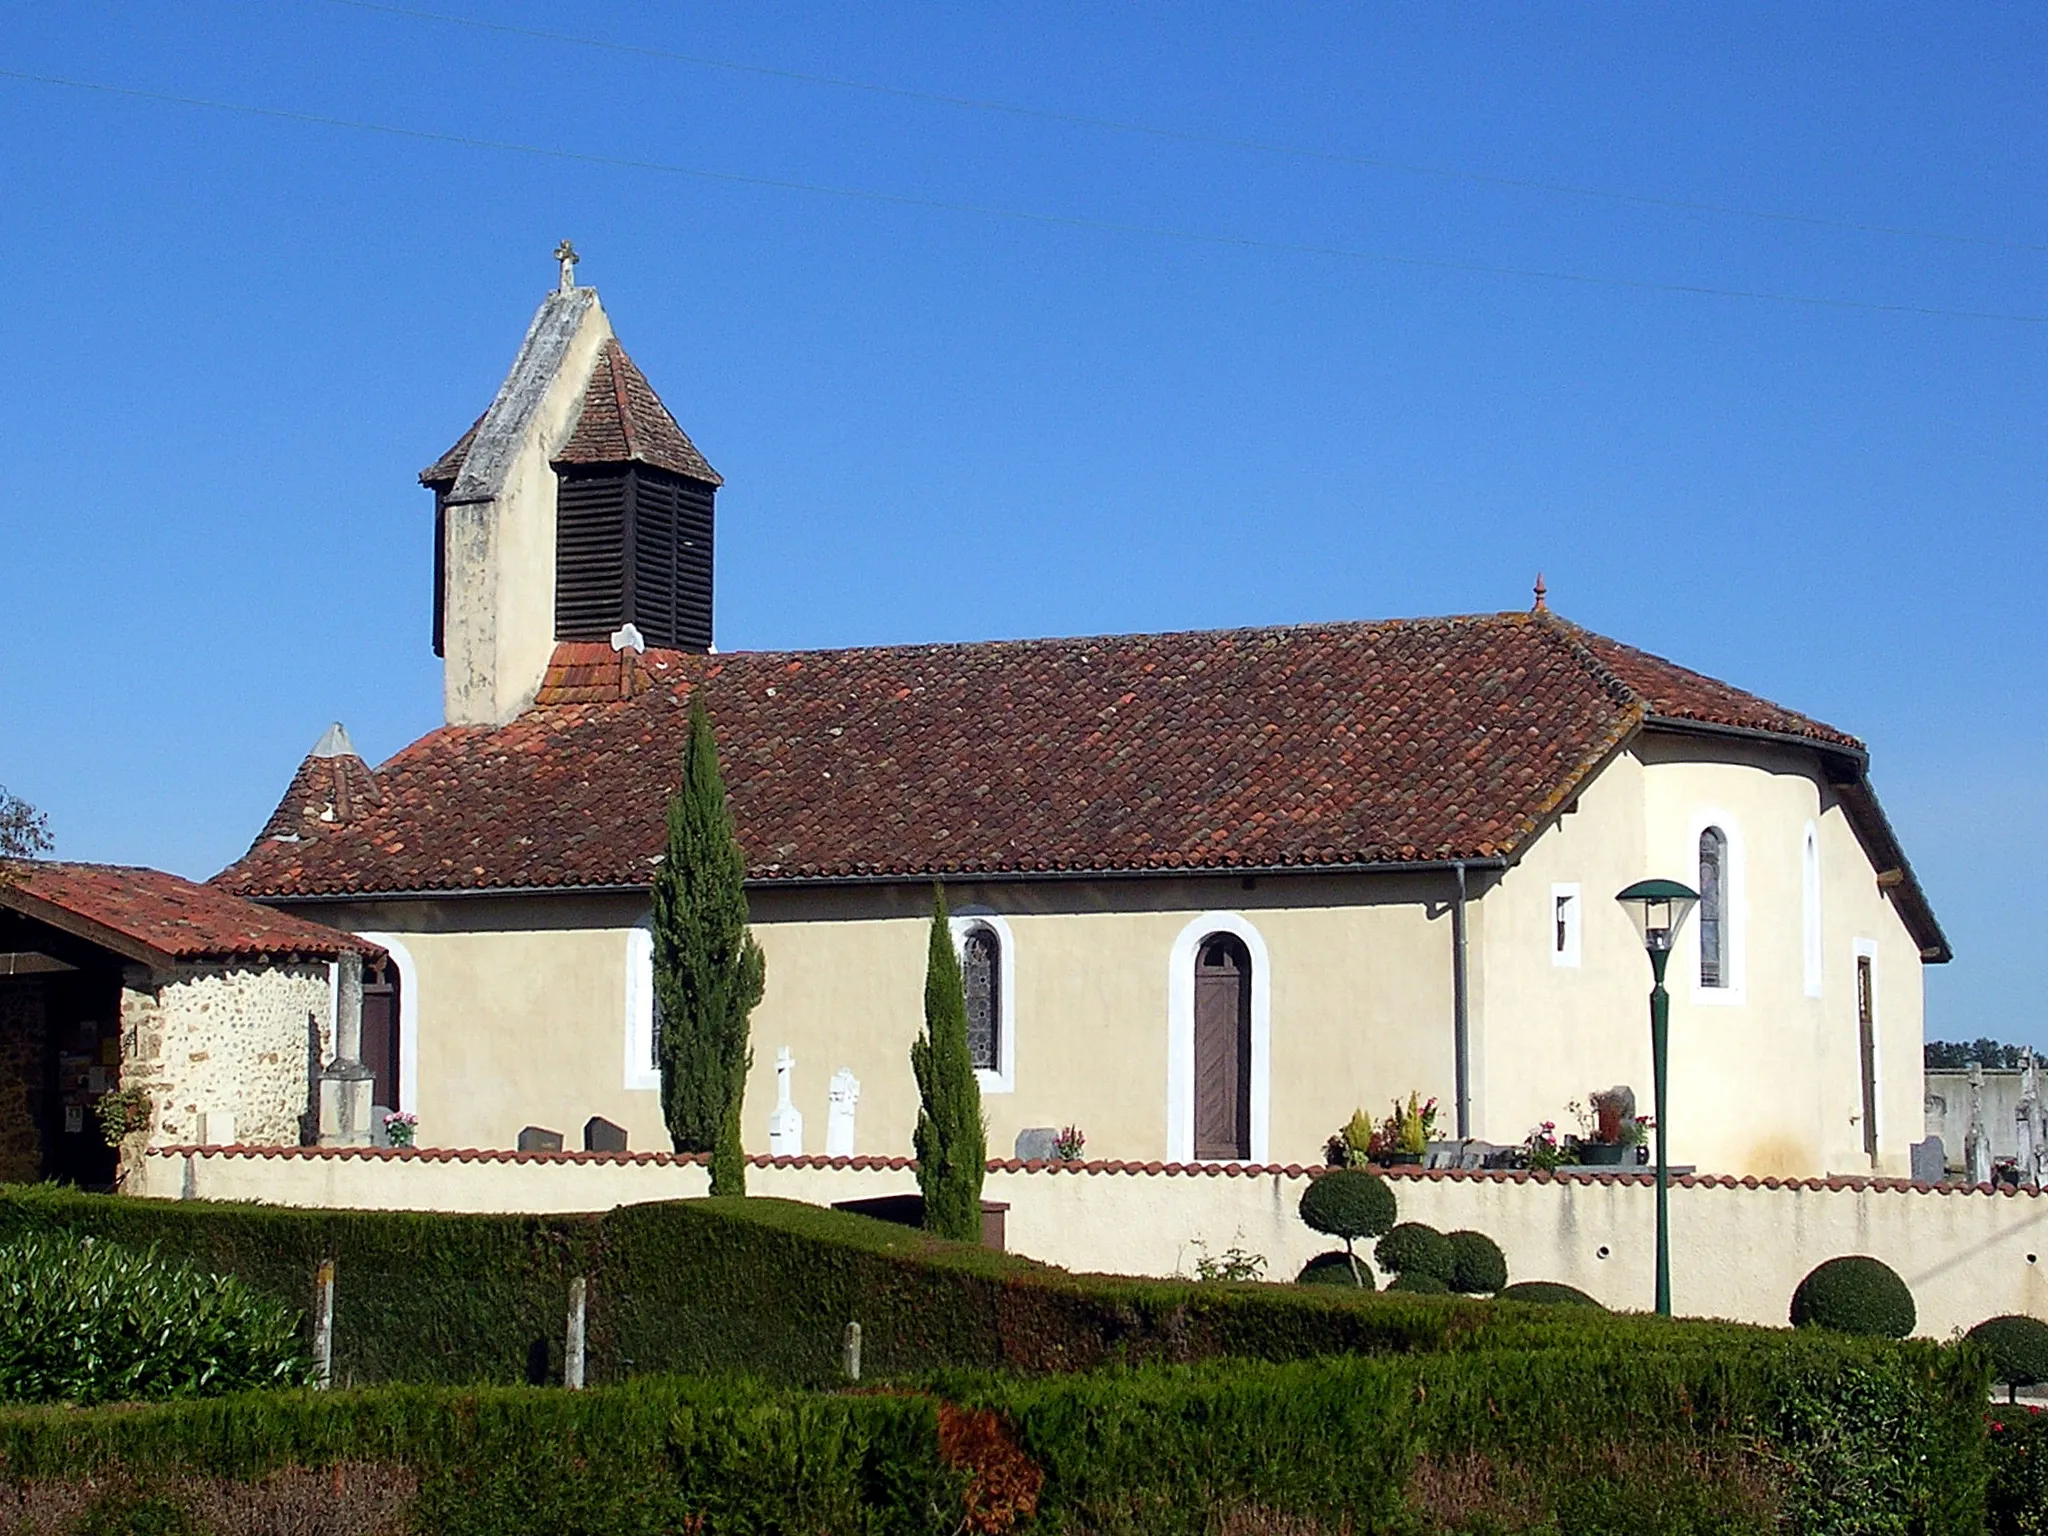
[1764, 1079]
[1737, 1252]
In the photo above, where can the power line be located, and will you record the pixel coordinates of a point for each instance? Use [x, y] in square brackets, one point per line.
[1024, 215]
[1188, 136]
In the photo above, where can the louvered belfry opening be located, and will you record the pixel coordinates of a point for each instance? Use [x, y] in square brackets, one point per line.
[633, 545]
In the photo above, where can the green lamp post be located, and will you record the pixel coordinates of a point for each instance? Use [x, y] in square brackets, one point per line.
[1659, 909]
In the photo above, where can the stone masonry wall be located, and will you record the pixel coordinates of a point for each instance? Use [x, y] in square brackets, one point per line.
[226, 1039]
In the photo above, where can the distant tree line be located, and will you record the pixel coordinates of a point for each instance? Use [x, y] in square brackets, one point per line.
[1954, 1055]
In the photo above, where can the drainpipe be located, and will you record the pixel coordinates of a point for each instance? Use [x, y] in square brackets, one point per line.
[1461, 1045]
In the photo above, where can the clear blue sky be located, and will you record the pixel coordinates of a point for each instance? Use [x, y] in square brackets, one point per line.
[233, 339]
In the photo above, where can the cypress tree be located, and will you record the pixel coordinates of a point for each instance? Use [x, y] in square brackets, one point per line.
[708, 971]
[951, 1140]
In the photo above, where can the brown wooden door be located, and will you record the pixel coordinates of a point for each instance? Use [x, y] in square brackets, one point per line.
[380, 1036]
[1223, 1049]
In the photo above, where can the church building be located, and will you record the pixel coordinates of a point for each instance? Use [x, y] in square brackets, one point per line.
[1213, 891]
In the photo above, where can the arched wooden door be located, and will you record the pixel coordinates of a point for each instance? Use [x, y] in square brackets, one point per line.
[381, 1007]
[1223, 1049]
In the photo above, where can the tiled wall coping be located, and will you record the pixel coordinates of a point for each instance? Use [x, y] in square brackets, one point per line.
[1151, 1169]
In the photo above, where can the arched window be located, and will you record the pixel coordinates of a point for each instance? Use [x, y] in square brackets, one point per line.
[981, 974]
[382, 1001]
[1713, 916]
[1223, 1048]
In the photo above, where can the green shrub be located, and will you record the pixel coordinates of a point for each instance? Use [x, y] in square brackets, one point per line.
[1348, 1203]
[1415, 1249]
[1546, 1293]
[1724, 1430]
[88, 1322]
[1478, 1267]
[1336, 1268]
[1854, 1294]
[2018, 1347]
[1419, 1282]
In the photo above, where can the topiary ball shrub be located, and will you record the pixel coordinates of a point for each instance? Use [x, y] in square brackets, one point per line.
[1335, 1269]
[1546, 1293]
[92, 1322]
[1348, 1203]
[2018, 1347]
[1478, 1267]
[1854, 1294]
[1413, 1248]
[1419, 1282]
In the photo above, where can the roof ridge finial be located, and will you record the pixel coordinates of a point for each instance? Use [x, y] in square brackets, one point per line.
[565, 253]
[1542, 595]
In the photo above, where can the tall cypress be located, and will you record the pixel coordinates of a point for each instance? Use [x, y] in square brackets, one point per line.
[708, 971]
[951, 1139]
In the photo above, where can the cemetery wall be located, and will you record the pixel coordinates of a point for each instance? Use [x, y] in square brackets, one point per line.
[1739, 1246]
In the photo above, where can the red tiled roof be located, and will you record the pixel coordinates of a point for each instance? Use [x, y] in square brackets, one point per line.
[624, 421]
[149, 915]
[1313, 746]
[325, 790]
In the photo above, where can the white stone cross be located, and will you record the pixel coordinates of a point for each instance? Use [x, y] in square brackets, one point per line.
[565, 253]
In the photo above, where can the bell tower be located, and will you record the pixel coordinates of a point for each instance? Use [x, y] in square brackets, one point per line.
[574, 506]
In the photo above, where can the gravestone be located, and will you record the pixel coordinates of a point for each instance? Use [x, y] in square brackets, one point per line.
[1039, 1144]
[600, 1135]
[1930, 1161]
[785, 1121]
[534, 1138]
[843, 1096]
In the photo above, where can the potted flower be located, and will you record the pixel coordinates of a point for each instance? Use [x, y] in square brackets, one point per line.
[1405, 1134]
[1352, 1145]
[400, 1128]
[1541, 1148]
[1068, 1145]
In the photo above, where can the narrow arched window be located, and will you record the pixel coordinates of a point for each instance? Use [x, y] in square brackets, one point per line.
[1223, 1048]
[981, 976]
[1809, 891]
[1713, 908]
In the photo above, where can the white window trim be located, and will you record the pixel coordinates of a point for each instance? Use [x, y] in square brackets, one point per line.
[1812, 935]
[1574, 928]
[641, 1075]
[1861, 949]
[1735, 924]
[1180, 1033]
[963, 919]
[408, 1019]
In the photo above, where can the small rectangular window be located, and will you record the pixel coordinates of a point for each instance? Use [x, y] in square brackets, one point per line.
[1566, 920]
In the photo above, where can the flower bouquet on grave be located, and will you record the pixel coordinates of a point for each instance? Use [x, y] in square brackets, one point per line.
[400, 1128]
[1540, 1148]
[1069, 1144]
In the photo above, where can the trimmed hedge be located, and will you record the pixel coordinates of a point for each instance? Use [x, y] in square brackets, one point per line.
[1854, 1294]
[1478, 1267]
[760, 1287]
[1548, 1293]
[1415, 1248]
[1811, 1432]
[2018, 1347]
[1336, 1268]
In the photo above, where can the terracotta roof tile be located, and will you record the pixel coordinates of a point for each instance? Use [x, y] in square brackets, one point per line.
[623, 421]
[170, 918]
[1319, 745]
[444, 470]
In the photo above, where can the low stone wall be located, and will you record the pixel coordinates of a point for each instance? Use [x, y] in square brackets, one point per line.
[1738, 1246]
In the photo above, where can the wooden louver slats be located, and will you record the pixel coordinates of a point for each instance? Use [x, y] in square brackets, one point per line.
[633, 545]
